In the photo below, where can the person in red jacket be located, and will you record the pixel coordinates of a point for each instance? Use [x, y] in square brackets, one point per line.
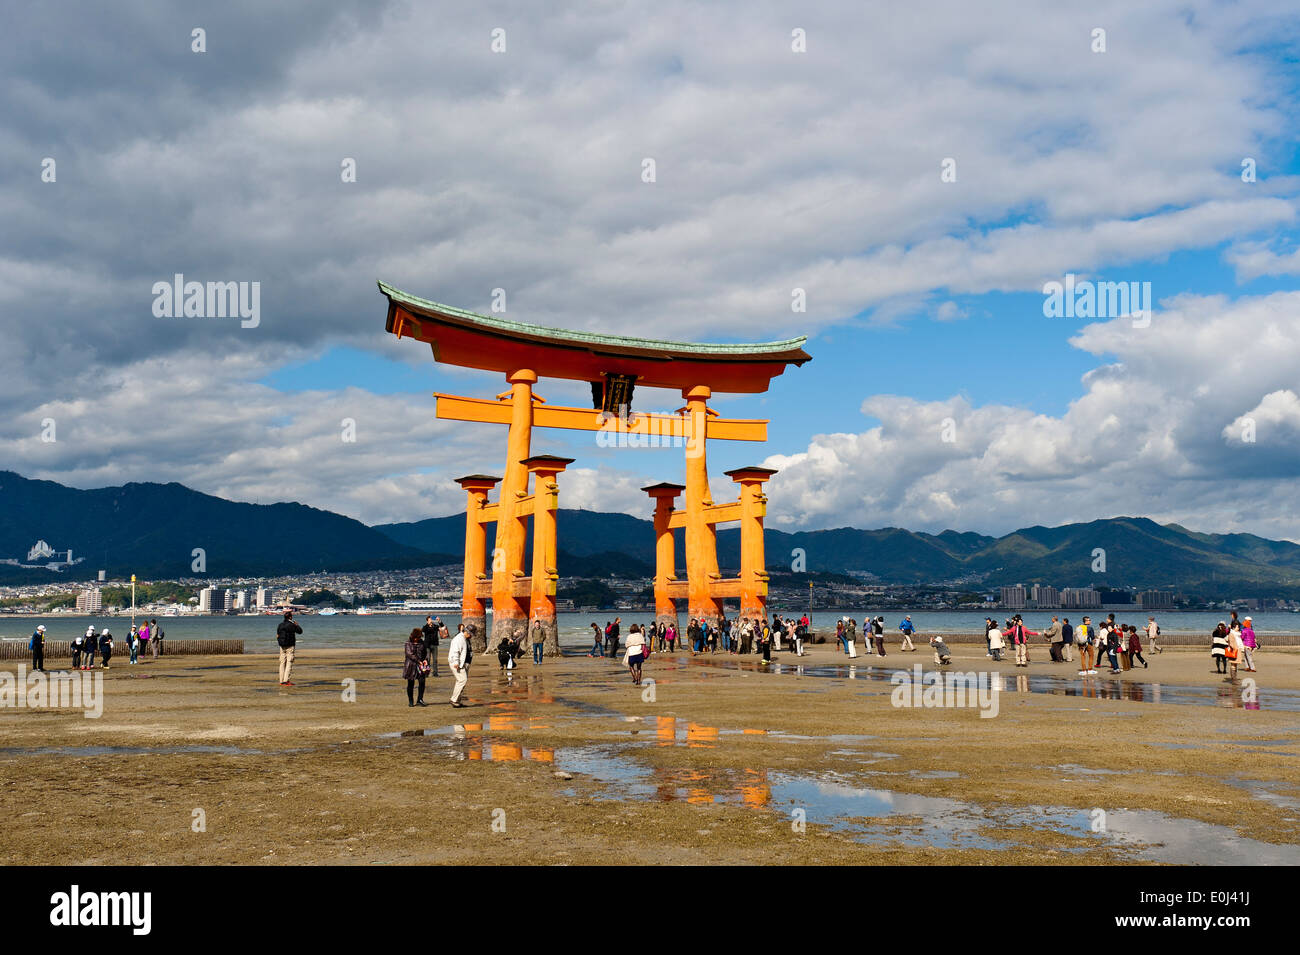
[1019, 637]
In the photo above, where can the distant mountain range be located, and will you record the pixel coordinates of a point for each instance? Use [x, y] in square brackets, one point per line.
[152, 530]
[1137, 553]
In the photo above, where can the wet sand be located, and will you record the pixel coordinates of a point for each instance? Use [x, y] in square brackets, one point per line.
[722, 763]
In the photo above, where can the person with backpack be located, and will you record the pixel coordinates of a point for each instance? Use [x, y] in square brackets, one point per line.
[1084, 639]
[1153, 631]
[286, 635]
[37, 646]
[133, 642]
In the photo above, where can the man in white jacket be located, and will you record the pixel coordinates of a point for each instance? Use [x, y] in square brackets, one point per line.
[458, 660]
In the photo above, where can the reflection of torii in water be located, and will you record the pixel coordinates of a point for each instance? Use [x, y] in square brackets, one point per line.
[613, 365]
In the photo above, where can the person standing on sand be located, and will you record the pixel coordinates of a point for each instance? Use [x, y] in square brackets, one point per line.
[155, 638]
[598, 649]
[539, 640]
[37, 646]
[1084, 638]
[1020, 635]
[89, 651]
[139, 640]
[635, 654]
[105, 648]
[765, 642]
[1219, 647]
[1249, 644]
[878, 635]
[1135, 648]
[1234, 652]
[1054, 638]
[286, 635]
[907, 629]
[415, 668]
[615, 631]
[1067, 640]
[430, 633]
[994, 637]
[1153, 631]
[458, 660]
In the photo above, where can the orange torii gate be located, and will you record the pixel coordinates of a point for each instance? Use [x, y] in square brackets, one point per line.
[613, 365]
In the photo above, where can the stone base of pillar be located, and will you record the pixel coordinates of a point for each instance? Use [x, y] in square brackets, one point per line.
[664, 619]
[478, 643]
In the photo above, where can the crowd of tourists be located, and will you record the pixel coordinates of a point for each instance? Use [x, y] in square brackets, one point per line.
[1233, 644]
[1119, 645]
[98, 644]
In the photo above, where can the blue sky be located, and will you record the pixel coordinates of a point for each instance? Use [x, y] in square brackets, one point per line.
[777, 168]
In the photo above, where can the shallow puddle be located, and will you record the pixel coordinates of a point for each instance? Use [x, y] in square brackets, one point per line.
[884, 817]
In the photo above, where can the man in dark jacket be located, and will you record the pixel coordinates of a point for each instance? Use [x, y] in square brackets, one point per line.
[286, 635]
[431, 630]
[38, 649]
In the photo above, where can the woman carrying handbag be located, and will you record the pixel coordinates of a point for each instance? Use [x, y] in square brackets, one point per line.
[415, 668]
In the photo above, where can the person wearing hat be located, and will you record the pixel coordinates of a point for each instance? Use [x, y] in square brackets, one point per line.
[38, 649]
[458, 657]
[1249, 644]
[89, 650]
[105, 648]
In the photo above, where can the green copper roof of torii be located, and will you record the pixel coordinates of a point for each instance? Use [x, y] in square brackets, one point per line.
[563, 336]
